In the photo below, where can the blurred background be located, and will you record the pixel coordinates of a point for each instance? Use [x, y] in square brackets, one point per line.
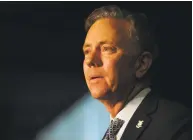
[41, 72]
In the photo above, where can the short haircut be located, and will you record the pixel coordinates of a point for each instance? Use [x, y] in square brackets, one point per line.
[139, 29]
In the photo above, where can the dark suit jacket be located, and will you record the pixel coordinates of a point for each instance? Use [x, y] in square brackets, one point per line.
[162, 120]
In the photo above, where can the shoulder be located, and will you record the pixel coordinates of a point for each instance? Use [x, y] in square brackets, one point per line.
[171, 107]
[174, 110]
[171, 119]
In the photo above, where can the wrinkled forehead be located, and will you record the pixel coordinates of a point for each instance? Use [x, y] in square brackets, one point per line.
[109, 29]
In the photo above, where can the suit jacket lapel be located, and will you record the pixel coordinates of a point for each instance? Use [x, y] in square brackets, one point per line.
[140, 119]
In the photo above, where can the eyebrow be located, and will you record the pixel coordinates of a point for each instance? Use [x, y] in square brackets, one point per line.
[86, 46]
[98, 44]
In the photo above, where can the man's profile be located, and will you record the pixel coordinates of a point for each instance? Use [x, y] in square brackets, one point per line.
[119, 50]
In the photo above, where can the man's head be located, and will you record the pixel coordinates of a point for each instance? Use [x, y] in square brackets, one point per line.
[118, 51]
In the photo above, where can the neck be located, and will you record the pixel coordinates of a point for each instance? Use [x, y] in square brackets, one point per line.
[115, 104]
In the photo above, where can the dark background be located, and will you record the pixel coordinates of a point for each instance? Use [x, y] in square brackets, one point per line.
[41, 58]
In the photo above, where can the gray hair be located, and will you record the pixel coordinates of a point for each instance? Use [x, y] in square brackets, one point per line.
[139, 29]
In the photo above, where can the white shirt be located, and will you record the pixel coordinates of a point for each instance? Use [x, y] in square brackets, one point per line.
[127, 112]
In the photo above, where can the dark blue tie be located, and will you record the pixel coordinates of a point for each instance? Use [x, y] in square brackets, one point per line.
[113, 129]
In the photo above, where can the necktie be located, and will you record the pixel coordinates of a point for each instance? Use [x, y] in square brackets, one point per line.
[113, 129]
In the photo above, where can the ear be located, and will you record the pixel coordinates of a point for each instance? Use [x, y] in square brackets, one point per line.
[143, 64]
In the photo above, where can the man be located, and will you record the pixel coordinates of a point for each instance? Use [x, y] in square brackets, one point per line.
[119, 50]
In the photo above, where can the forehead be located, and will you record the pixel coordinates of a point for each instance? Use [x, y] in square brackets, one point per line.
[107, 29]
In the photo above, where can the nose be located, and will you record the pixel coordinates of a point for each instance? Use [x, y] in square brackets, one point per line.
[93, 60]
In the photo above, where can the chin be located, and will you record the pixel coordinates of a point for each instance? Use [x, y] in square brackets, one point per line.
[98, 94]
[99, 89]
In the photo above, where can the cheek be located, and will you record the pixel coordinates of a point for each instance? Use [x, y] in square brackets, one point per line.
[126, 72]
[117, 71]
[84, 67]
[112, 70]
[84, 64]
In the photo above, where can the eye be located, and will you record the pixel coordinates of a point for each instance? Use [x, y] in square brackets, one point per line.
[108, 49]
[86, 51]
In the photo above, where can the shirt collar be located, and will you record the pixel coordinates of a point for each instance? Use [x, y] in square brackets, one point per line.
[131, 105]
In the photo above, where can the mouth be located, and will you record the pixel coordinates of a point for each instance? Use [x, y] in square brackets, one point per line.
[94, 78]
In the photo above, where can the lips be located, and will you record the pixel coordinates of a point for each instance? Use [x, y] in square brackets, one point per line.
[95, 77]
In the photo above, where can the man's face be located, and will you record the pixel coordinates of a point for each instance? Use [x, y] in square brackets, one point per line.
[108, 64]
